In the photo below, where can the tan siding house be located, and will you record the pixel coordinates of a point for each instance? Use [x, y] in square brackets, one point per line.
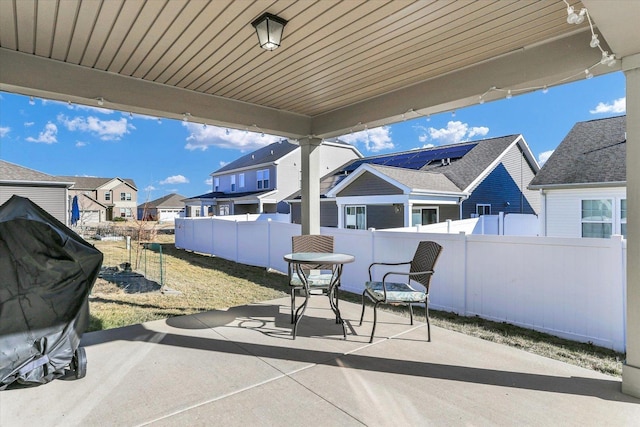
[104, 198]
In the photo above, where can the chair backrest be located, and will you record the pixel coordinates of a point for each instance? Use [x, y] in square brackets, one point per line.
[313, 243]
[425, 259]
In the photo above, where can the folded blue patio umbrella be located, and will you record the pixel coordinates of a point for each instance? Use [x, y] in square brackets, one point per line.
[75, 211]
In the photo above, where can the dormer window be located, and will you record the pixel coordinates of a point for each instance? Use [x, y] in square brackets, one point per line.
[233, 183]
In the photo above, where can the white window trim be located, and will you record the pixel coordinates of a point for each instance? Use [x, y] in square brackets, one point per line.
[241, 180]
[347, 207]
[615, 213]
[421, 208]
[484, 205]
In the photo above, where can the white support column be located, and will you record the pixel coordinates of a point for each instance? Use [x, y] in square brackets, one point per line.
[408, 208]
[631, 369]
[340, 215]
[310, 202]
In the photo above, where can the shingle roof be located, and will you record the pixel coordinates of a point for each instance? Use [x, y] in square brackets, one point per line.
[172, 200]
[418, 180]
[592, 152]
[13, 172]
[270, 153]
[461, 172]
[91, 183]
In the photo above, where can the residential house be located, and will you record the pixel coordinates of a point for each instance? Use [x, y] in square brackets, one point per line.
[164, 209]
[583, 185]
[103, 199]
[49, 192]
[260, 181]
[430, 185]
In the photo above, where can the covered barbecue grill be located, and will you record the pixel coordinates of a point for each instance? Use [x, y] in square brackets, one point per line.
[46, 275]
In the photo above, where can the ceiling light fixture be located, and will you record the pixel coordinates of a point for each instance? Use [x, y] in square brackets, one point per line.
[269, 29]
[185, 117]
[594, 41]
[587, 74]
[100, 101]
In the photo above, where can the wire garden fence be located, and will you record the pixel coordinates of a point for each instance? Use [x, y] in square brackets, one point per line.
[132, 260]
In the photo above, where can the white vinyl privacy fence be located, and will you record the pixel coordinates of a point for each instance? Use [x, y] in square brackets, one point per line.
[573, 288]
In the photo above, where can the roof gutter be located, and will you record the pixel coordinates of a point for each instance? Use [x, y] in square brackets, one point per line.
[578, 185]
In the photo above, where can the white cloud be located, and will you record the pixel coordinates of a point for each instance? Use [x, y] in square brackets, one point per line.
[149, 188]
[209, 181]
[544, 156]
[375, 139]
[107, 130]
[223, 163]
[80, 144]
[201, 138]
[4, 131]
[175, 179]
[617, 106]
[47, 136]
[455, 132]
[29, 124]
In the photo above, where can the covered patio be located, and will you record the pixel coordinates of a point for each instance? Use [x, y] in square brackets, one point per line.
[342, 66]
[240, 367]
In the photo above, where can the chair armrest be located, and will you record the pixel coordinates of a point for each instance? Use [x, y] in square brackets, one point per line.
[401, 273]
[385, 263]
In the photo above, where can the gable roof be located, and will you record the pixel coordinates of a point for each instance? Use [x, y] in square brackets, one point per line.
[593, 152]
[10, 172]
[93, 183]
[460, 165]
[406, 179]
[267, 154]
[172, 200]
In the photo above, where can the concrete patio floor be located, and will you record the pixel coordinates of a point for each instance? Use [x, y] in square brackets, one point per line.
[240, 367]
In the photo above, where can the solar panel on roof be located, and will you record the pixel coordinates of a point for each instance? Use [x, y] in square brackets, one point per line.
[414, 160]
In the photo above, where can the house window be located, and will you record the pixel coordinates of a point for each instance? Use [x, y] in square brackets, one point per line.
[597, 218]
[241, 180]
[125, 212]
[263, 179]
[223, 210]
[356, 217]
[424, 216]
[483, 209]
[216, 184]
[233, 183]
[623, 217]
[107, 196]
[125, 196]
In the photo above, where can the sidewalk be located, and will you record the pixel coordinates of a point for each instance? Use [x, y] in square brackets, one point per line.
[240, 367]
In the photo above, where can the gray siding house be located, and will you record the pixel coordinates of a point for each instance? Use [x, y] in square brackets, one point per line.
[430, 185]
[583, 184]
[260, 181]
[163, 209]
[49, 192]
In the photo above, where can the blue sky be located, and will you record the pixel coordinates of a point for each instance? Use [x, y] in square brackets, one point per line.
[164, 156]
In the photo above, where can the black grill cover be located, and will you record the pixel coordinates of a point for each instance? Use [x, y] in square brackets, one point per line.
[46, 274]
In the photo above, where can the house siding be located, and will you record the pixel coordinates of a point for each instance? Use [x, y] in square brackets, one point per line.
[497, 189]
[51, 199]
[384, 216]
[563, 208]
[522, 174]
[328, 213]
[451, 212]
[369, 185]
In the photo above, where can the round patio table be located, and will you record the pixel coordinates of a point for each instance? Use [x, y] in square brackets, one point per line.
[336, 261]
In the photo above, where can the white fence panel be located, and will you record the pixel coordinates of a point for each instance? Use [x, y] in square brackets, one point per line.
[567, 287]
[574, 288]
[521, 225]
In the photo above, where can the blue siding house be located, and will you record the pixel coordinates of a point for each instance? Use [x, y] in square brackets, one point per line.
[430, 185]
